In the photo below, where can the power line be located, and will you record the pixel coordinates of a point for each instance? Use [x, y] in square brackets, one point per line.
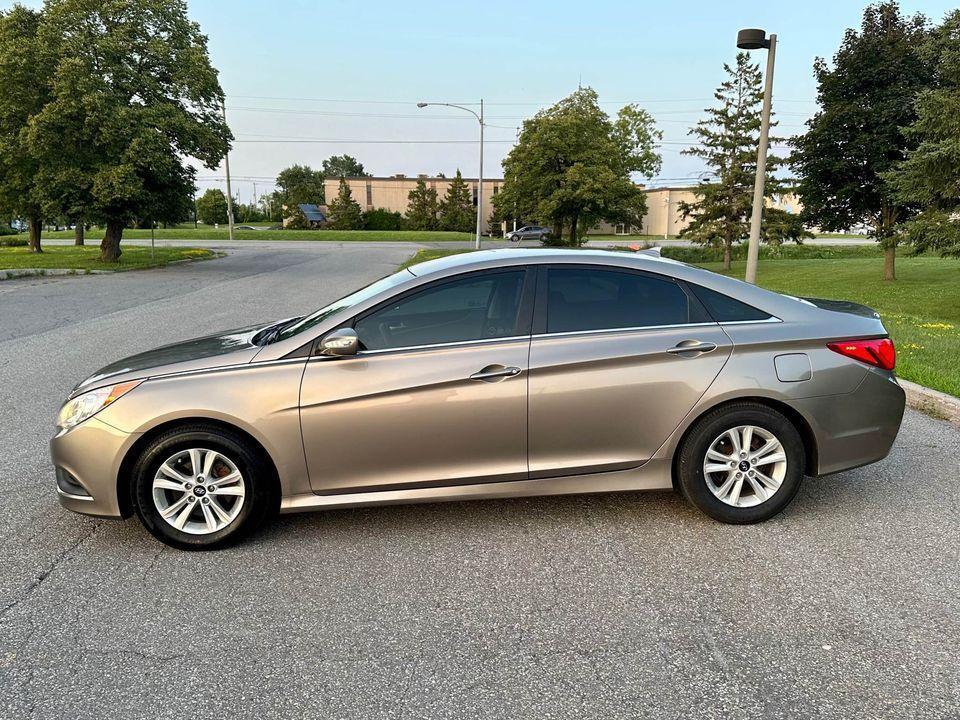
[360, 101]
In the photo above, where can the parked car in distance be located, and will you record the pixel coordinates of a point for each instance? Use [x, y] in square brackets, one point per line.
[529, 232]
[492, 374]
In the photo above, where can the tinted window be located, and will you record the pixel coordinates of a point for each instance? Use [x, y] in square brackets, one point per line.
[588, 299]
[724, 308]
[472, 308]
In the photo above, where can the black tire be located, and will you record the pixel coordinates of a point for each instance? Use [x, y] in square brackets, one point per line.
[691, 454]
[260, 491]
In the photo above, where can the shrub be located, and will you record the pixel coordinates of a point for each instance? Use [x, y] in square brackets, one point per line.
[383, 219]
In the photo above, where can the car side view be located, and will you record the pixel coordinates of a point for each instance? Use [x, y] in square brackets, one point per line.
[492, 374]
[528, 232]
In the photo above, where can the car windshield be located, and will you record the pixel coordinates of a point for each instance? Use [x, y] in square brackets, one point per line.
[343, 303]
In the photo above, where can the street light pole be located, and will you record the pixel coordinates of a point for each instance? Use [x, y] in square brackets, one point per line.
[754, 39]
[480, 176]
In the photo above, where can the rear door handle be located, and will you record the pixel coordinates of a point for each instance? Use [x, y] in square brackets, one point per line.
[495, 372]
[692, 347]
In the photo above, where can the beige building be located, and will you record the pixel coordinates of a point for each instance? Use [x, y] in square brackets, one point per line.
[663, 217]
[391, 193]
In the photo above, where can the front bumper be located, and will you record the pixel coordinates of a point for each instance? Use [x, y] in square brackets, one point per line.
[87, 460]
[857, 428]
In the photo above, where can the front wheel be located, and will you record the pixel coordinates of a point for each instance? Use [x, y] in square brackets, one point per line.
[741, 463]
[201, 487]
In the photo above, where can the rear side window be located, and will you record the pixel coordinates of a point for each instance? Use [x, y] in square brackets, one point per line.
[724, 308]
[590, 299]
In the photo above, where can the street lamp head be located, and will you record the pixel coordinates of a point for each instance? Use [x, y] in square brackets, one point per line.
[422, 104]
[752, 39]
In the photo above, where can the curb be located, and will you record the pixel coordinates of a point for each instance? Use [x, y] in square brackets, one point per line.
[932, 402]
[14, 273]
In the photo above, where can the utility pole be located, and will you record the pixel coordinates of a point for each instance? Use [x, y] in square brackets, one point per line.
[480, 182]
[754, 39]
[226, 162]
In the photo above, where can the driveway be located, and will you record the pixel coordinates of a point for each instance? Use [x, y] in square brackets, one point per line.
[616, 606]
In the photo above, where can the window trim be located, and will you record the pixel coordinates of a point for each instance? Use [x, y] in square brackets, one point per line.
[524, 312]
[696, 308]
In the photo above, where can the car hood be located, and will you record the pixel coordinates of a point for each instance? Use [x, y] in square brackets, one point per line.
[232, 347]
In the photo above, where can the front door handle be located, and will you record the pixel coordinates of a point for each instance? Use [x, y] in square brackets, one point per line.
[692, 348]
[495, 372]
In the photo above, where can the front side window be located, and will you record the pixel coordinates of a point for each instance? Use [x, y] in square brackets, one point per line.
[477, 307]
[581, 299]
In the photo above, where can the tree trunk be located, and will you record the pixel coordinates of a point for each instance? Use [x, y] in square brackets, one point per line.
[78, 234]
[36, 226]
[726, 255]
[889, 262]
[557, 233]
[110, 245]
[573, 231]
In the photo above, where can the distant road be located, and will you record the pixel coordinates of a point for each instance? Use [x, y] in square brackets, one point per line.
[487, 243]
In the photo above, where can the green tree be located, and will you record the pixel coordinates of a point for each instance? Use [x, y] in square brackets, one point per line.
[299, 185]
[338, 166]
[25, 73]
[212, 207]
[422, 207]
[929, 177]
[572, 166]
[727, 142]
[345, 211]
[456, 209]
[866, 98]
[134, 89]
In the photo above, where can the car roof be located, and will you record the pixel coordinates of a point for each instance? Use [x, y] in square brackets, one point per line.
[774, 303]
[524, 256]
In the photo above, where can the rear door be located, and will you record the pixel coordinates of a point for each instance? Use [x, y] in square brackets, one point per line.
[617, 359]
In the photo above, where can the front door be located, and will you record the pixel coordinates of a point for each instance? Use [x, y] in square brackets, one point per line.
[619, 358]
[437, 396]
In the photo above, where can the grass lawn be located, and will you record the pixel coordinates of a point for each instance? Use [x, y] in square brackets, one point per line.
[921, 309]
[88, 258]
[208, 233]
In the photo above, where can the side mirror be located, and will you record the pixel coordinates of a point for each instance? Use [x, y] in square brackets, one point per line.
[343, 341]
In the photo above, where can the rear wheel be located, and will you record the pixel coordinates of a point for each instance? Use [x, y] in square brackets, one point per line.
[741, 463]
[201, 487]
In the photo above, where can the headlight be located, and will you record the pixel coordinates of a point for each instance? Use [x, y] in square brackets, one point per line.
[83, 406]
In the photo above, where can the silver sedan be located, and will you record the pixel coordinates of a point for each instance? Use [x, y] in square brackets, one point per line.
[493, 374]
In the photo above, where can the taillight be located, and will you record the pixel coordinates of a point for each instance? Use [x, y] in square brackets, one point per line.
[878, 352]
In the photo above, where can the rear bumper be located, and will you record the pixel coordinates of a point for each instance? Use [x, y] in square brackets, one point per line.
[87, 461]
[857, 428]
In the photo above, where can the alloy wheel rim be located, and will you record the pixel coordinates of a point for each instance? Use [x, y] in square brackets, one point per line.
[745, 466]
[198, 491]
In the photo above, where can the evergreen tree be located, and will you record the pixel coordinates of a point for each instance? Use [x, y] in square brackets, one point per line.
[456, 209]
[345, 211]
[422, 207]
[727, 142]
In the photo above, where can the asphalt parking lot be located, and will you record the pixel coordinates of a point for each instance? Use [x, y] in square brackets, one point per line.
[616, 606]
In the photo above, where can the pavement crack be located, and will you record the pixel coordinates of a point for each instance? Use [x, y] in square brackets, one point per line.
[31, 587]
